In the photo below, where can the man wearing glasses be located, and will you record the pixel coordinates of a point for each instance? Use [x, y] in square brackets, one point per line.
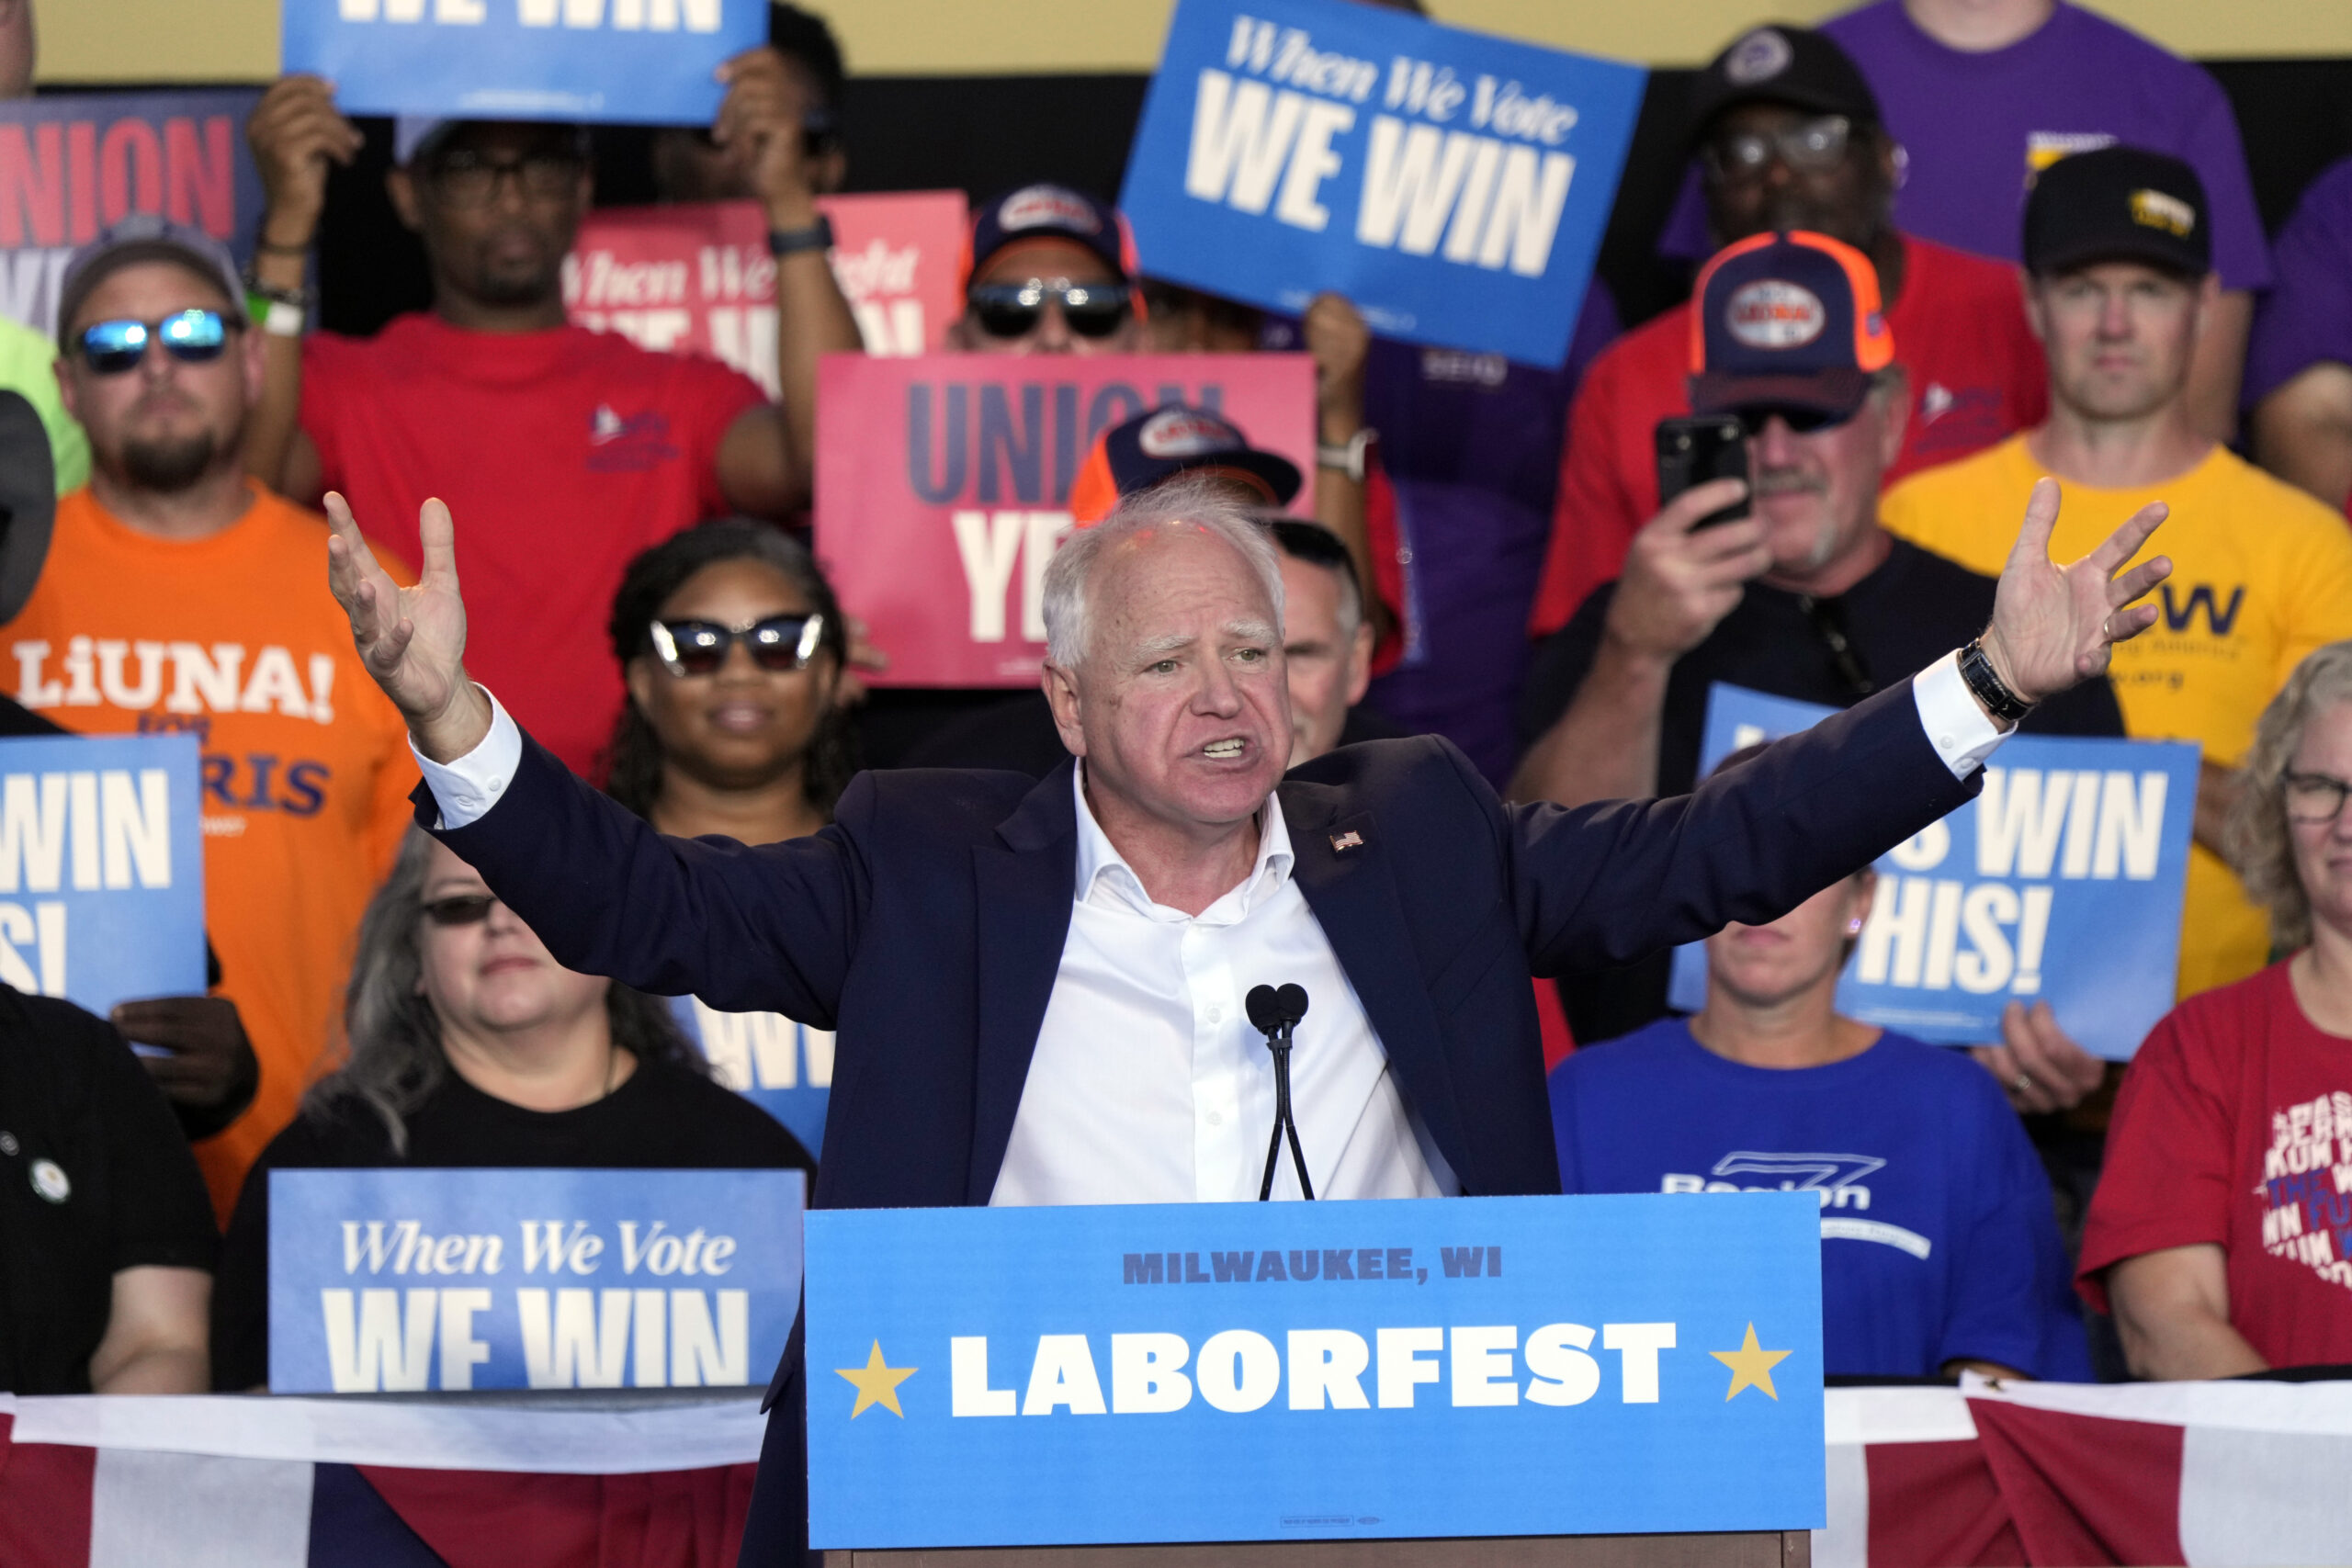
[1805, 595]
[1789, 136]
[1051, 273]
[180, 596]
[586, 448]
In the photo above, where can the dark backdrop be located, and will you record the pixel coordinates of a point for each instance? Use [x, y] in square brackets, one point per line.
[986, 133]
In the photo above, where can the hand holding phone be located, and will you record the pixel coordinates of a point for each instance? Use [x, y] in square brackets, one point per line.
[1694, 450]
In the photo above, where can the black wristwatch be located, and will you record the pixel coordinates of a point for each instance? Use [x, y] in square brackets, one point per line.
[817, 236]
[1990, 689]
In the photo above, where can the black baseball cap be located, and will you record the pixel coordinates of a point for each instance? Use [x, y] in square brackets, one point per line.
[1048, 211]
[1778, 64]
[1171, 440]
[2118, 203]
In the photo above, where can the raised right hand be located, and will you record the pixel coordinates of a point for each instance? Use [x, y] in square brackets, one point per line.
[1678, 583]
[295, 132]
[412, 640]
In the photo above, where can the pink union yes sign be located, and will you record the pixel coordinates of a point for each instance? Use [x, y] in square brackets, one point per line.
[942, 485]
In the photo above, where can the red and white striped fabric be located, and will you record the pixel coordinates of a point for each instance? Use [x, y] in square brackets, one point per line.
[2198, 1473]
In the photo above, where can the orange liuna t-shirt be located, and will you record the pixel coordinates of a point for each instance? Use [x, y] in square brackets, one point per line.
[306, 765]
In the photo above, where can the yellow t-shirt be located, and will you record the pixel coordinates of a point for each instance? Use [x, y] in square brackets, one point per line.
[306, 765]
[2261, 575]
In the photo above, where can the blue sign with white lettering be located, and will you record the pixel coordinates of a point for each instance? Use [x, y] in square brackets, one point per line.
[1272, 1371]
[2062, 881]
[402, 1280]
[101, 868]
[1453, 185]
[784, 1067]
[641, 62]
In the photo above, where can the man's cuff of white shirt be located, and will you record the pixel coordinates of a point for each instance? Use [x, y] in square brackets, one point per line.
[466, 788]
[1961, 733]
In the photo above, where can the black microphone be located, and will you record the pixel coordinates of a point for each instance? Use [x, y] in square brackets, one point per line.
[1275, 1012]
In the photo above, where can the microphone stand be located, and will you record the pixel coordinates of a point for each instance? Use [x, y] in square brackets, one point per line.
[1278, 1040]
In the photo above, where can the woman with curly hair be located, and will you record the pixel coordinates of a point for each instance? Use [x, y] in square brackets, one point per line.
[469, 1046]
[2221, 1235]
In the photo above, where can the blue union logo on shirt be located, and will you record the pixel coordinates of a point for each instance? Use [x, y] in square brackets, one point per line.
[1396, 1368]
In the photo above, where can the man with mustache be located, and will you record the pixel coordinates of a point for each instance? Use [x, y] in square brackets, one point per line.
[1806, 597]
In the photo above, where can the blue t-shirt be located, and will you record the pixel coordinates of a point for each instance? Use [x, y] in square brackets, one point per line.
[1937, 1238]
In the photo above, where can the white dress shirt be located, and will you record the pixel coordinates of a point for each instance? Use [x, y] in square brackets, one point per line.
[1149, 1084]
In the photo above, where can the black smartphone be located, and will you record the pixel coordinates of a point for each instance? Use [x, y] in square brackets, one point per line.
[1695, 449]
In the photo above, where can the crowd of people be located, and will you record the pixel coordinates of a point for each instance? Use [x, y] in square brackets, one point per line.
[1489, 557]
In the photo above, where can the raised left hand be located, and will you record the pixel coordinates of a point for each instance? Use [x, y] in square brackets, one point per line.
[763, 120]
[2056, 625]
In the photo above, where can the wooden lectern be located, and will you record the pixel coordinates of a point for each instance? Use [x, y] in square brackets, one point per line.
[1739, 1549]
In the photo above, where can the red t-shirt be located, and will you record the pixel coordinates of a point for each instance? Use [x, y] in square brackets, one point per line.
[1959, 329]
[561, 454]
[2234, 1127]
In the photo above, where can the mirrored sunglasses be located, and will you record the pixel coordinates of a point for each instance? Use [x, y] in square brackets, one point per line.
[1013, 310]
[779, 643]
[193, 337]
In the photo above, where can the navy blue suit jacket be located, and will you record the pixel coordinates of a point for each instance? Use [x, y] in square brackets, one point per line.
[925, 926]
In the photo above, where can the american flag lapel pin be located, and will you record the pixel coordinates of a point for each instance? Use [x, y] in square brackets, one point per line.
[1343, 842]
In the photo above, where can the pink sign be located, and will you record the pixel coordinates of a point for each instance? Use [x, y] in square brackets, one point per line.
[698, 277]
[942, 485]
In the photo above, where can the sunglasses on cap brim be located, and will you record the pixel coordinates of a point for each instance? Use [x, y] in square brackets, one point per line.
[1013, 310]
[778, 644]
[192, 337]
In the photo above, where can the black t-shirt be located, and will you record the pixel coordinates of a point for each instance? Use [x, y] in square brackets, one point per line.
[1912, 611]
[95, 1178]
[665, 1118]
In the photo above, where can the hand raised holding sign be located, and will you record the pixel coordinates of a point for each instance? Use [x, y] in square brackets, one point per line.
[2054, 625]
[412, 640]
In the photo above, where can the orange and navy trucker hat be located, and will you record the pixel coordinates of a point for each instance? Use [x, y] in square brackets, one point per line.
[1171, 440]
[1787, 321]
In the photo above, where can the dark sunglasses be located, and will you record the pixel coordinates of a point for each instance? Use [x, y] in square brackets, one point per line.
[192, 337]
[459, 909]
[1013, 310]
[1801, 422]
[698, 648]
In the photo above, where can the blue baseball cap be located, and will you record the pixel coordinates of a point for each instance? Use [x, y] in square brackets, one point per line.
[1049, 212]
[1174, 439]
[1788, 320]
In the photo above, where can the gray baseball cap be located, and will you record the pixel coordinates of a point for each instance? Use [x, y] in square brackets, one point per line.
[145, 237]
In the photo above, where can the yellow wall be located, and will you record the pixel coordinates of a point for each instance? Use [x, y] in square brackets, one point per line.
[201, 41]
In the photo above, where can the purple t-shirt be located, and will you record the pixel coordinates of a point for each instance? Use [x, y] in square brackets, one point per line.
[2307, 315]
[1977, 126]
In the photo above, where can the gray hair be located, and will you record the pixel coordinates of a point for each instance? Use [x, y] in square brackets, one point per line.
[394, 1061]
[2260, 843]
[1200, 503]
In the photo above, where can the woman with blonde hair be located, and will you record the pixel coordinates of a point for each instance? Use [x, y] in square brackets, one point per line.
[2220, 1237]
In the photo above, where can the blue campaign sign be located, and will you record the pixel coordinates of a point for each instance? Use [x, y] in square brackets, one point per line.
[402, 1280]
[1269, 1371]
[101, 868]
[73, 162]
[2062, 881]
[643, 61]
[784, 1067]
[1453, 185]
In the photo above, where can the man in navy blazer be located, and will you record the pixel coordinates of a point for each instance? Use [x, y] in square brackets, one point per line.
[1030, 982]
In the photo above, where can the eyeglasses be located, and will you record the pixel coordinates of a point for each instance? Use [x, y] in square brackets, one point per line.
[1812, 147]
[459, 909]
[1013, 310]
[2315, 797]
[469, 179]
[192, 337]
[1800, 420]
[698, 648]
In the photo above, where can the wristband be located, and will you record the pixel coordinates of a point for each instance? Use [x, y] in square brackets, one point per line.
[1991, 689]
[1347, 456]
[817, 236]
[284, 320]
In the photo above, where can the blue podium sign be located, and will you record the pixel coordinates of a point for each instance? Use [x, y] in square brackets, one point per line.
[643, 61]
[405, 1280]
[784, 1067]
[101, 868]
[1459, 1367]
[2061, 882]
[1453, 185]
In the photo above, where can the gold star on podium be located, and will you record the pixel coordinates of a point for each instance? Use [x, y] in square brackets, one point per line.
[1751, 1367]
[877, 1383]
